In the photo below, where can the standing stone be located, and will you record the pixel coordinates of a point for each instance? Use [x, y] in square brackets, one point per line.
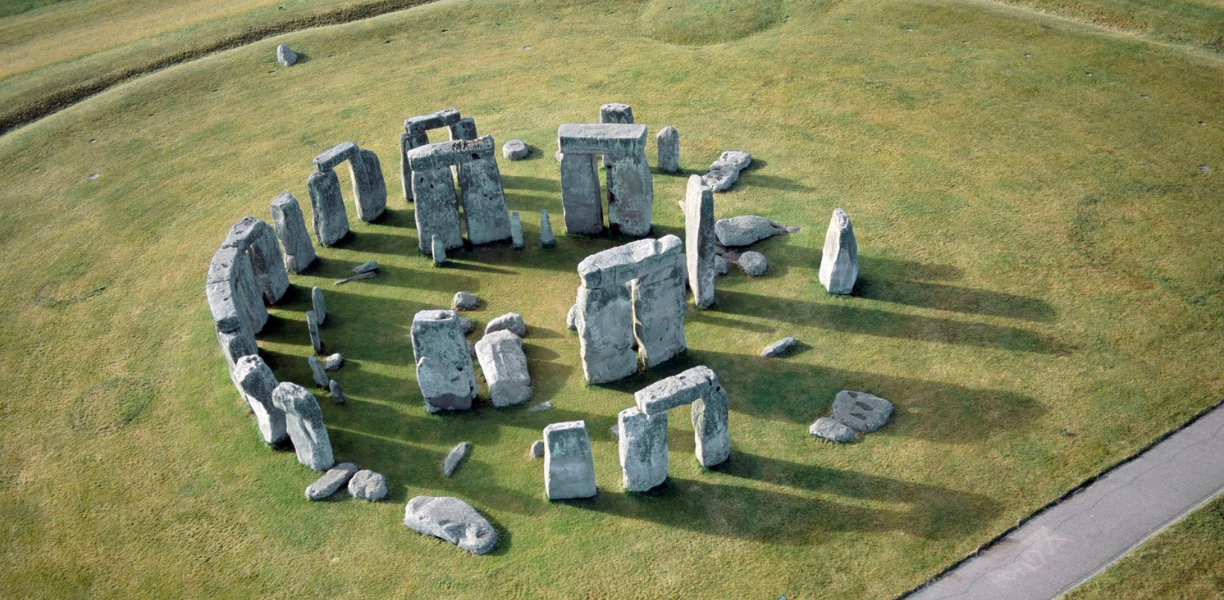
[285, 56]
[642, 442]
[452, 520]
[319, 306]
[713, 438]
[338, 398]
[438, 251]
[861, 411]
[582, 207]
[571, 318]
[317, 373]
[615, 112]
[304, 422]
[436, 214]
[659, 303]
[604, 322]
[255, 383]
[754, 264]
[454, 457]
[630, 194]
[839, 263]
[668, 142]
[699, 240]
[485, 214]
[463, 129]
[408, 141]
[330, 221]
[331, 482]
[537, 449]
[569, 468]
[516, 231]
[515, 150]
[290, 227]
[510, 321]
[547, 239]
[312, 324]
[443, 365]
[368, 485]
[369, 187]
[831, 430]
[505, 368]
[257, 240]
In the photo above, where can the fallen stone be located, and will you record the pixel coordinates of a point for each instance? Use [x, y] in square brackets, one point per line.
[832, 430]
[839, 261]
[754, 264]
[505, 368]
[368, 485]
[319, 306]
[668, 142]
[338, 398]
[331, 482]
[358, 277]
[515, 150]
[465, 301]
[437, 251]
[746, 230]
[547, 404]
[317, 372]
[547, 239]
[861, 411]
[725, 171]
[312, 325]
[454, 457]
[285, 56]
[570, 323]
[779, 347]
[333, 362]
[537, 449]
[569, 468]
[304, 422]
[512, 322]
[366, 267]
[516, 231]
[255, 382]
[452, 520]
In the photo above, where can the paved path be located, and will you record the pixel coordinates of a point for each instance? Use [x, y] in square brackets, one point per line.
[1066, 545]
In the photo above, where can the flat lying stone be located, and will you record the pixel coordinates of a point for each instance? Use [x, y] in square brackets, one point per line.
[454, 457]
[368, 485]
[515, 150]
[335, 155]
[505, 368]
[285, 56]
[861, 411]
[736, 158]
[680, 389]
[451, 153]
[465, 301]
[746, 230]
[512, 322]
[831, 430]
[779, 347]
[754, 264]
[331, 482]
[333, 362]
[547, 404]
[366, 267]
[452, 520]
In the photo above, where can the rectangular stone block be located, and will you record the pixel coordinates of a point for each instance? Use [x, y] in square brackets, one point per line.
[580, 199]
[290, 227]
[710, 427]
[677, 390]
[611, 139]
[642, 444]
[437, 120]
[463, 129]
[408, 141]
[622, 264]
[450, 153]
[699, 240]
[659, 303]
[569, 467]
[436, 213]
[604, 321]
[255, 382]
[369, 187]
[235, 345]
[304, 424]
[327, 207]
[258, 240]
[335, 155]
[444, 368]
[505, 368]
[630, 194]
[485, 215]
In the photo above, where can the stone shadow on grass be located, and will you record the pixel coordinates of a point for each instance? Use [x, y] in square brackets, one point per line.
[900, 282]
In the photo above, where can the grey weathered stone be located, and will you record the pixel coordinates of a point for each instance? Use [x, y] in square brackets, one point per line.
[463, 129]
[255, 382]
[537, 449]
[668, 143]
[547, 239]
[630, 186]
[471, 349]
[839, 261]
[484, 201]
[659, 303]
[451, 153]
[290, 227]
[831, 430]
[745, 230]
[258, 241]
[630, 194]
[327, 207]
[642, 444]
[582, 207]
[235, 345]
[466, 325]
[515, 150]
[571, 318]
[680, 389]
[369, 187]
[615, 431]
[779, 347]
[357, 277]
[234, 296]
[333, 362]
[285, 55]
[604, 322]
[332, 157]
[615, 112]
[622, 264]
[547, 404]
[699, 240]
[304, 422]
[316, 372]
[861, 411]
[726, 170]
[516, 231]
[408, 141]
[465, 301]
[312, 325]
[437, 251]
[721, 266]
[337, 395]
[318, 305]
[368, 266]
[452, 520]
[569, 468]
[443, 364]
[368, 485]
[713, 439]
[454, 457]
[754, 264]
[331, 482]
[510, 321]
[436, 120]
[436, 213]
[736, 158]
[505, 367]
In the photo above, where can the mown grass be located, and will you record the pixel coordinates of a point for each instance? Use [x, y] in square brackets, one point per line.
[1020, 277]
[1194, 23]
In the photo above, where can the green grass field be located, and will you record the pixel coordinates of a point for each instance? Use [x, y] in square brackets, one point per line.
[1039, 251]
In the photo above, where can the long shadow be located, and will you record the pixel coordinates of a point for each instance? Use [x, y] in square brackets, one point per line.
[889, 280]
[752, 176]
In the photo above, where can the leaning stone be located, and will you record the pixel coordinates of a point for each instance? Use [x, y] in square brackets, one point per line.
[516, 231]
[642, 444]
[312, 325]
[327, 207]
[329, 159]
[255, 382]
[861, 411]
[337, 396]
[317, 372]
[368, 485]
[290, 227]
[331, 482]
[754, 264]
[668, 142]
[505, 368]
[454, 457]
[570, 317]
[465, 301]
[366, 267]
[437, 251]
[547, 404]
[285, 56]
[839, 262]
[452, 520]
[304, 422]
[444, 367]
[319, 306]
[537, 449]
[779, 347]
[509, 321]
[569, 468]
[547, 239]
[831, 430]
[699, 240]
[515, 150]
[746, 230]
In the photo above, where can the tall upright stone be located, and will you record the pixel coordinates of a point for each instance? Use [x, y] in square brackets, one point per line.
[290, 227]
[699, 240]
[304, 423]
[516, 231]
[327, 207]
[839, 262]
[581, 203]
[438, 251]
[668, 143]
[615, 112]
[485, 214]
[433, 191]
[255, 383]
[319, 306]
[569, 466]
[258, 240]
[642, 444]
[547, 239]
[312, 325]
[408, 141]
[604, 321]
[369, 187]
[443, 364]
[630, 194]
[659, 303]
[713, 438]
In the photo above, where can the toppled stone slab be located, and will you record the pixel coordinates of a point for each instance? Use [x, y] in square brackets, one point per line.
[839, 261]
[368, 266]
[285, 56]
[612, 139]
[357, 277]
[443, 364]
[515, 150]
[255, 382]
[745, 230]
[331, 482]
[368, 485]
[505, 367]
[779, 347]
[317, 372]
[454, 457]
[452, 520]
[465, 301]
[832, 430]
[318, 305]
[861, 411]
[290, 226]
[333, 362]
[304, 422]
[754, 264]
[668, 143]
[547, 238]
[569, 467]
[512, 322]
[547, 404]
[537, 449]
[726, 170]
[337, 395]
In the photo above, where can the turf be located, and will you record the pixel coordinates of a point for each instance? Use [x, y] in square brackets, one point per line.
[1039, 253]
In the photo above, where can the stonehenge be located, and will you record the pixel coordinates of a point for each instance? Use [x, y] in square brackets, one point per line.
[290, 227]
[246, 273]
[304, 422]
[668, 143]
[642, 444]
[416, 135]
[485, 216]
[839, 261]
[369, 190]
[630, 187]
[443, 365]
[745, 230]
[504, 365]
[725, 171]
[451, 520]
[699, 240]
[255, 382]
[698, 386]
[569, 467]
[779, 347]
[630, 293]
